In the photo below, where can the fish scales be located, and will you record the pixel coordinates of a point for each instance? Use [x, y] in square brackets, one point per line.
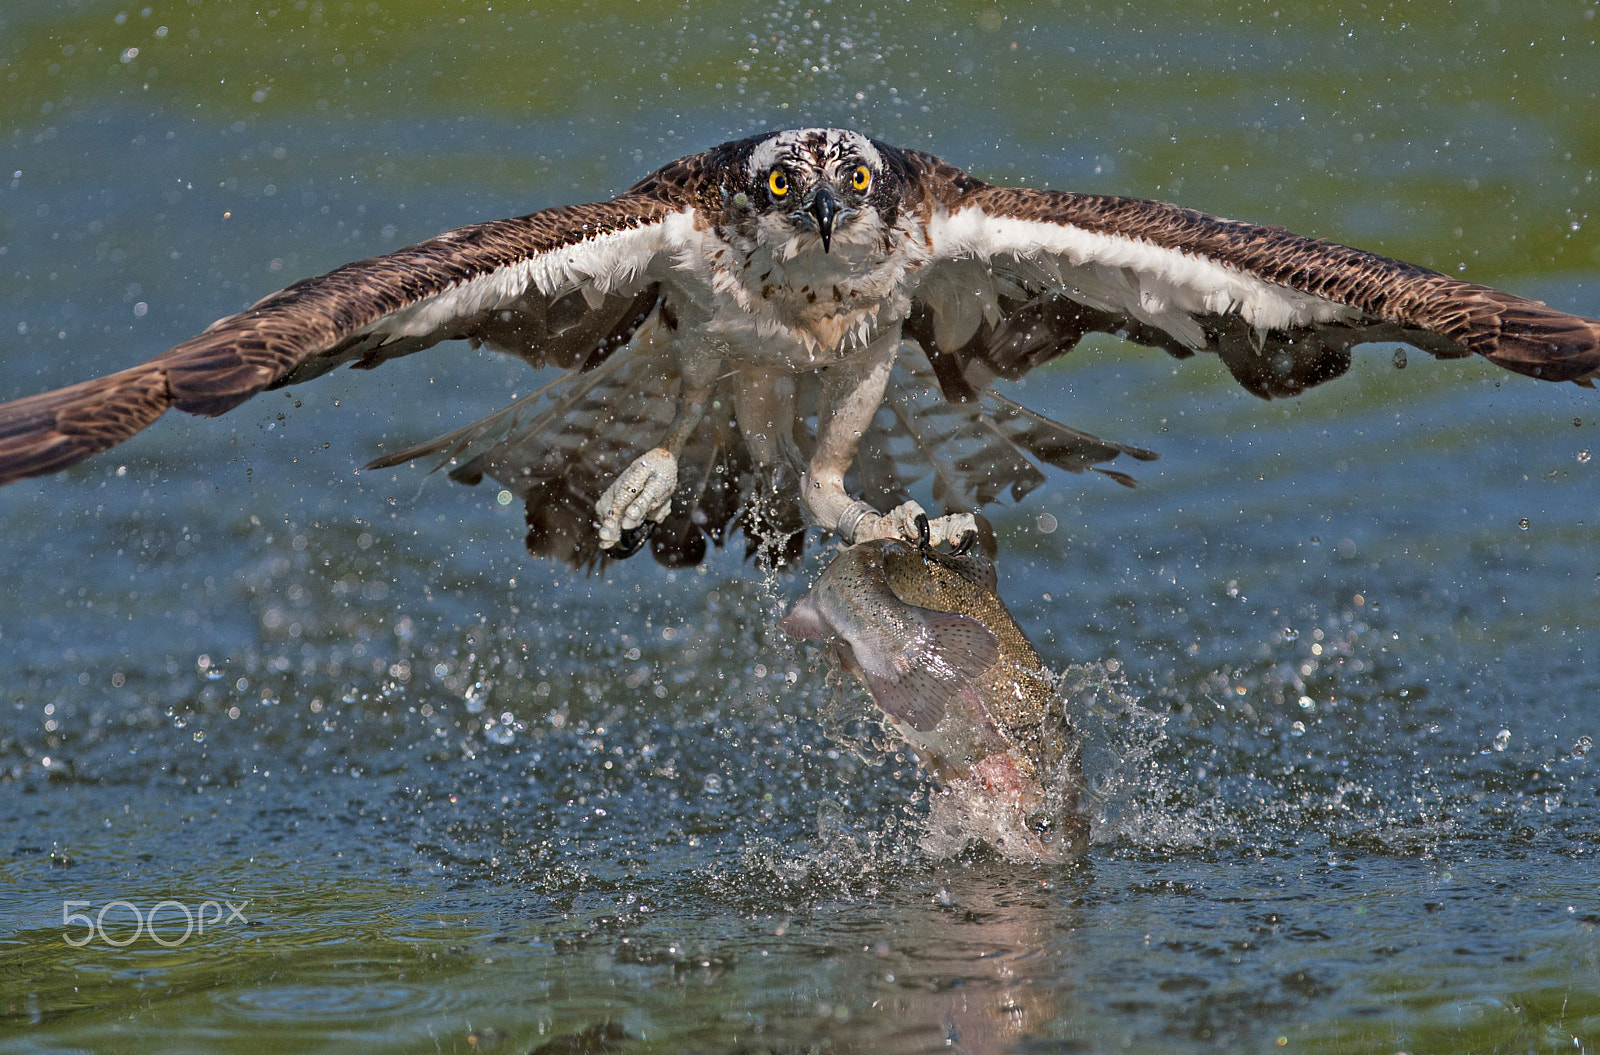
[1019, 688]
[943, 658]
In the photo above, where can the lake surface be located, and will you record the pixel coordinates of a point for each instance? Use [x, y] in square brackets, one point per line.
[1341, 654]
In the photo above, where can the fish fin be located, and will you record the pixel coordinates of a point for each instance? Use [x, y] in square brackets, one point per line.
[804, 622]
[939, 668]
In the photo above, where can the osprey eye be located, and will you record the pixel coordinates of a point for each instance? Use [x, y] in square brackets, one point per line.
[778, 183]
[862, 178]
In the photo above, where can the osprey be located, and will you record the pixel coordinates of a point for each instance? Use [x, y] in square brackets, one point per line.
[801, 325]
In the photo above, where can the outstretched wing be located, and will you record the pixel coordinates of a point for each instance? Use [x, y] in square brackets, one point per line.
[1018, 276]
[566, 287]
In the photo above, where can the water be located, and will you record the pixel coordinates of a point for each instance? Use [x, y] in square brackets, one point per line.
[1346, 793]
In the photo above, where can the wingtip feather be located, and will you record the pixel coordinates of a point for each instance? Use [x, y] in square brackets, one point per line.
[52, 431]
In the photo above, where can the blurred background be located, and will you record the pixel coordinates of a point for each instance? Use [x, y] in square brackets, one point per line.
[1336, 653]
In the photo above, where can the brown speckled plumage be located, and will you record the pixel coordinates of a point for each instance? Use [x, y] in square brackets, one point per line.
[1440, 314]
[973, 313]
[300, 332]
[1511, 331]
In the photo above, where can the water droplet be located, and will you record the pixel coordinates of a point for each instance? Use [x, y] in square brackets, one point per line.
[1291, 634]
[1583, 456]
[1399, 358]
[1502, 739]
[499, 734]
[713, 785]
[475, 698]
[1523, 523]
[1582, 748]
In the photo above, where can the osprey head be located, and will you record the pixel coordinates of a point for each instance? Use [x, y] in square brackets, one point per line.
[820, 181]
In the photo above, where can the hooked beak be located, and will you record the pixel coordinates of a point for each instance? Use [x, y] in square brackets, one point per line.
[824, 207]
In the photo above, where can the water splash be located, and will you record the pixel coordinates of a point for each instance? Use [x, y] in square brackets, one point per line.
[844, 857]
[829, 62]
[1135, 794]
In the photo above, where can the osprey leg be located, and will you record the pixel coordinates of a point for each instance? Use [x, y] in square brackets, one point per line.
[852, 391]
[643, 492]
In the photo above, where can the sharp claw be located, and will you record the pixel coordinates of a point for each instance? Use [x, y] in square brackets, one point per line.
[924, 533]
[633, 540]
[968, 540]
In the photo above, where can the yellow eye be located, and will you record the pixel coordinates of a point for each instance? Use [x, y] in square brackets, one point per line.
[777, 183]
[862, 178]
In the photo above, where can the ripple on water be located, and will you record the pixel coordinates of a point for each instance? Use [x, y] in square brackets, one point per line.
[355, 999]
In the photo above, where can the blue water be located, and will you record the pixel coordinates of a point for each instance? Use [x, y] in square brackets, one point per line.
[1346, 798]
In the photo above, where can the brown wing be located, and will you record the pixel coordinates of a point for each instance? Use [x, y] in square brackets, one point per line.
[1020, 275]
[565, 287]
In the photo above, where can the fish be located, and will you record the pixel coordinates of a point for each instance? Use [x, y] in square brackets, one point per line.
[956, 677]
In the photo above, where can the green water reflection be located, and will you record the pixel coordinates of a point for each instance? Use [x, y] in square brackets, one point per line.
[233, 668]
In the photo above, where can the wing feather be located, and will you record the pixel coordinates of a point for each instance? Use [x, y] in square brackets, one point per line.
[1281, 309]
[565, 286]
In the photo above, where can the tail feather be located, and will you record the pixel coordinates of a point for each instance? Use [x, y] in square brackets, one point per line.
[589, 427]
[1059, 445]
[463, 439]
[559, 448]
[976, 450]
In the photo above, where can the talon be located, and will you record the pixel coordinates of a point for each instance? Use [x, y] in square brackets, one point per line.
[953, 529]
[861, 523]
[641, 494]
[633, 540]
[968, 540]
[924, 533]
[902, 521]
